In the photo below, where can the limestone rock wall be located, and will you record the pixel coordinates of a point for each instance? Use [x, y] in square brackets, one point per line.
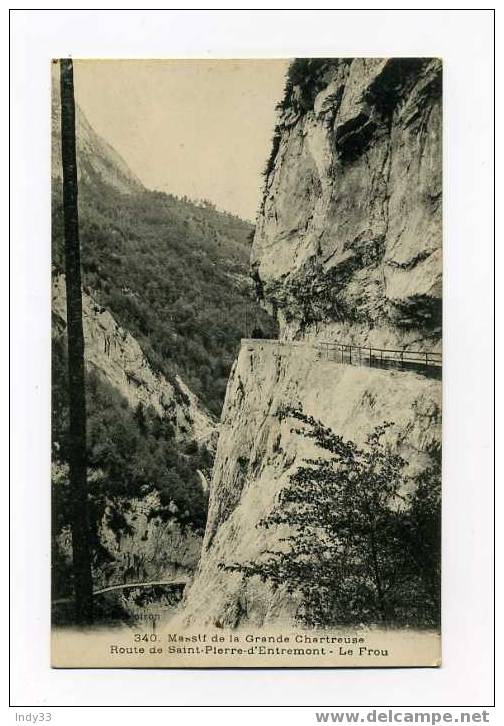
[153, 550]
[348, 240]
[258, 452]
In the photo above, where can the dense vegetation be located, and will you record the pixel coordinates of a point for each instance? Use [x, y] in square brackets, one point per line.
[360, 550]
[308, 76]
[173, 273]
[130, 452]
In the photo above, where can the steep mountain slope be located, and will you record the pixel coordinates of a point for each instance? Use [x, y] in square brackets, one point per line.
[173, 273]
[96, 158]
[347, 248]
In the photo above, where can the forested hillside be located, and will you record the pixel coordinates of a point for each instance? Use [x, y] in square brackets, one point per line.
[172, 273]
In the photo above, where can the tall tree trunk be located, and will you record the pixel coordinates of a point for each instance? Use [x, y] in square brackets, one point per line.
[83, 587]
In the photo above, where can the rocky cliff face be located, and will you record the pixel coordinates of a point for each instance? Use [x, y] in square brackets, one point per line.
[258, 452]
[153, 550]
[347, 248]
[348, 241]
[148, 549]
[115, 355]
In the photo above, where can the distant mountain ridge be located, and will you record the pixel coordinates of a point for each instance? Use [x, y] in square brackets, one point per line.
[173, 273]
[95, 156]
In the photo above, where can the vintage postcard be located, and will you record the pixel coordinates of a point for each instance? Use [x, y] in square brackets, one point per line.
[246, 362]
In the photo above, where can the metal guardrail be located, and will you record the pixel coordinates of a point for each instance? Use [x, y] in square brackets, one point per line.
[362, 354]
[133, 585]
[174, 584]
[426, 362]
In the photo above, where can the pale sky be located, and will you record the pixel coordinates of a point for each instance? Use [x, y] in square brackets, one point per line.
[197, 127]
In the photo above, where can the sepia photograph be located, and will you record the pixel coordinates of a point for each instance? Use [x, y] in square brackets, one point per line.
[247, 362]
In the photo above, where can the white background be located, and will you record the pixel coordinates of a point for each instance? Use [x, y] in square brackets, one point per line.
[463, 39]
